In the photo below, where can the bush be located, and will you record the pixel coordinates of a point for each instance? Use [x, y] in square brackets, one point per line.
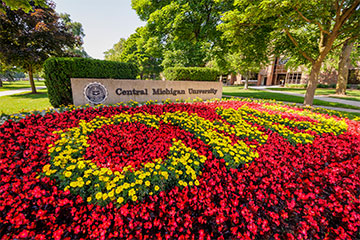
[295, 85]
[191, 74]
[327, 85]
[58, 72]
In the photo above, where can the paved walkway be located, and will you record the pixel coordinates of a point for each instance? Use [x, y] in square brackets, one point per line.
[11, 92]
[326, 99]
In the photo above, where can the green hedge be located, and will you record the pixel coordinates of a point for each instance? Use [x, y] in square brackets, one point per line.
[190, 74]
[58, 72]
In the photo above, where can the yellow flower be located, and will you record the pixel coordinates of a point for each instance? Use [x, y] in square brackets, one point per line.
[46, 168]
[147, 183]
[98, 195]
[73, 184]
[134, 198]
[118, 190]
[111, 194]
[197, 183]
[157, 188]
[67, 174]
[104, 196]
[120, 200]
[88, 199]
[131, 192]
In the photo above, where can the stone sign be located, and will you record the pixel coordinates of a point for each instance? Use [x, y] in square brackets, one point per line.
[111, 91]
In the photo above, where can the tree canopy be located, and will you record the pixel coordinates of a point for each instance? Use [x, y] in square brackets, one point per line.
[25, 5]
[186, 29]
[140, 49]
[28, 39]
[303, 30]
[114, 54]
[76, 29]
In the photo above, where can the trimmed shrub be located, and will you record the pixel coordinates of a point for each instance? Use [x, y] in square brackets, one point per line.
[326, 85]
[191, 74]
[295, 85]
[58, 72]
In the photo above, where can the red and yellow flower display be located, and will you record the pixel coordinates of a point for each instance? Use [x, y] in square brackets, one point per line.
[206, 170]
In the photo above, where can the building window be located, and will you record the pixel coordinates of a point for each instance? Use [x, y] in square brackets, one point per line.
[293, 78]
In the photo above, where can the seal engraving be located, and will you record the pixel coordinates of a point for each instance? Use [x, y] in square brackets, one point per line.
[95, 93]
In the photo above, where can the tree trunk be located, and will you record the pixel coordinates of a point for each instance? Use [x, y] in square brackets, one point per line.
[312, 83]
[31, 79]
[344, 68]
[10, 77]
[1, 84]
[232, 78]
[246, 86]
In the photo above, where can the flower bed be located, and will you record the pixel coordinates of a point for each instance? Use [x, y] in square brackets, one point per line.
[225, 169]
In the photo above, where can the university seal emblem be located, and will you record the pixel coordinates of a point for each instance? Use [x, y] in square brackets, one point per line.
[95, 93]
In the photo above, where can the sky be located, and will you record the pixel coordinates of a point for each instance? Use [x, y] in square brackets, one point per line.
[104, 22]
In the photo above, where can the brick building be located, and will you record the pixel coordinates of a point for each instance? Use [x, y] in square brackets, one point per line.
[276, 74]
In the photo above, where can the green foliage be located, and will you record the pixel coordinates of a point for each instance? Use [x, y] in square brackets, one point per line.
[191, 74]
[304, 31]
[76, 29]
[186, 29]
[114, 54]
[140, 49]
[58, 72]
[27, 39]
[25, 5]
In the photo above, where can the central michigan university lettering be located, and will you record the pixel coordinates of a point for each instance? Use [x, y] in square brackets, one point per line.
[120, 91]
[166, 91]
[201, 91]
[160, 91]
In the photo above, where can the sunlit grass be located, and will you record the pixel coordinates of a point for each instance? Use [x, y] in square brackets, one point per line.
[24, 102]
[254, 93]
[19, 85]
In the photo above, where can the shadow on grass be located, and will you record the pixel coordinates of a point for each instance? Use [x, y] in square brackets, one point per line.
[266, 95]
[288, 89]
[38, 95]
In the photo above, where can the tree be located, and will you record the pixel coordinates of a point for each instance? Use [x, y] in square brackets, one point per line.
[239, 63]
[25, 5]
[343, 68]
[305, 30]
[141, 49]
[186, 29]
[28, 39]
[76, 29]
[114, 53]
[9, 73]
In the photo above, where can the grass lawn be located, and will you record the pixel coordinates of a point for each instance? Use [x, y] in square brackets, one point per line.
[254, 93]
[24, 102]
[19, 84]
[352, 94]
